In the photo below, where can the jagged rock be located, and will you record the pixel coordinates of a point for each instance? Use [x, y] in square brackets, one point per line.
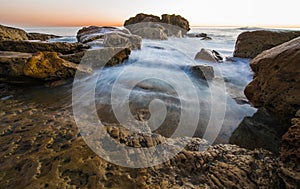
[176, 20]
[10, 33]
[276, 83]
[41, 36]
[203, 72]
[208, 55]
[250, 44]
[33, 47]
[152, 27]
[141, 18]
[262, 130]
[290, 154]
[92, 33]
[48, 66]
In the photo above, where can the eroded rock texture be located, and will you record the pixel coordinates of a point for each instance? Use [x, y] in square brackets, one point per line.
[41, 147]
[276, 83]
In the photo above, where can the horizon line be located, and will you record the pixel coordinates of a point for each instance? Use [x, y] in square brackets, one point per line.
[121, 25]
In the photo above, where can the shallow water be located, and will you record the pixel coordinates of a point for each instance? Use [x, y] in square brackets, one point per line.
[156, 86]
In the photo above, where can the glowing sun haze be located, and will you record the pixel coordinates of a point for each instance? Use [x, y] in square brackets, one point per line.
[115, 12]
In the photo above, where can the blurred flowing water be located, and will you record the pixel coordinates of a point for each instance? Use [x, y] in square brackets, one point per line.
[161, 71]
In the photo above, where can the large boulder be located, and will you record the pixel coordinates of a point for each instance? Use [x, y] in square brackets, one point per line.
[250, 44]
[32, 47]
[276, 83]
[209, 55]
[10, 33]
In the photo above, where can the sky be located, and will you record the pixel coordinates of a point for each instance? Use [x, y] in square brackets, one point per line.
[115, 12]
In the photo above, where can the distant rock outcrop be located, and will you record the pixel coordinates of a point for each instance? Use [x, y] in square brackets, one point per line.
[276, 83]
[250, 44]
[41, 36]
[153, 27]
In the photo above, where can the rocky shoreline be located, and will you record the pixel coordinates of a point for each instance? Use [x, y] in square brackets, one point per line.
[41, 146]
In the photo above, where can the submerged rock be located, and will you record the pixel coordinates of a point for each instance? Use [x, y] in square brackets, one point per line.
[33, 47]
[276, 83]
[209, 55]
[250, 44]
[10, 33]
[41, 36]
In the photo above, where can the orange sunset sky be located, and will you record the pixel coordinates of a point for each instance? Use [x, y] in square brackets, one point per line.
[114, 12]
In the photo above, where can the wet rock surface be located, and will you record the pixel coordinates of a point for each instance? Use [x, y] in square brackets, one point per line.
[250, 44]
[276, 83]
[41, 147]
[262, 130]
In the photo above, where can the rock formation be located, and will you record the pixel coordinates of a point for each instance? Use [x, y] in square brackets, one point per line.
[203, 72]
[250, 44]
[9, 33]
[46, 150]
[152, 27]
[109, 37]
[276, 83]
[209, 55]
[32, 47]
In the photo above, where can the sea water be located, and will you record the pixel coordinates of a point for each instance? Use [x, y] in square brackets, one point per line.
[160, 74]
